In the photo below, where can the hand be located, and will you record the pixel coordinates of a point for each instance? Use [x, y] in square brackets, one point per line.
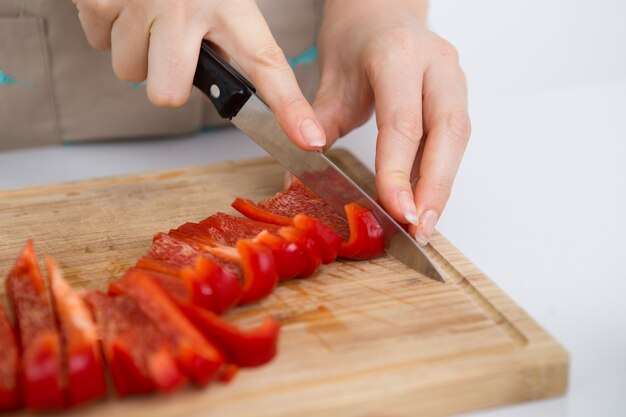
[379, 55]
[160, 40]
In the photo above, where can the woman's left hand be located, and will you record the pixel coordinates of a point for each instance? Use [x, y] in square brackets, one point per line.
[379, 56]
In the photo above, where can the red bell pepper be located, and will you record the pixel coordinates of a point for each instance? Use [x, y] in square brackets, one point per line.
[225, 290]
[229, 229]
[308, 245]
[85, 373]
[212, 280]
[289, 257]
[9, 363]
[41, 371]
[138, 355]
[243, 348]
[195, 355]
[327, 240]
[168, 255]
[254, 212]
[259, 271]
[366, 235]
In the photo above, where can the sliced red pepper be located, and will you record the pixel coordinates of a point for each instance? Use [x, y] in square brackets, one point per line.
[225, 290]
[9, 362]
[139, 356]
[309, 247]
[289, 257]
[252, 262]
[242, 347]
[168, 255]
[211, 279]
[366, 235]
[254, 212]
[194, 354]
[84, 370]
[230, 229]
[41, 369]
[328, 241]
[361, 232]
[296, 199]
[259, 271]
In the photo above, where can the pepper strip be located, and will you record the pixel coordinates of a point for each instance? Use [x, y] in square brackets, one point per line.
[9, 360]
[366, 235]
[41, 371]
[196, 356]
[85, 373]
[243, 348]
[139, 357]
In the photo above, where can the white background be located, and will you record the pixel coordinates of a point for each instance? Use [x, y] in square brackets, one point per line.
[540, 200]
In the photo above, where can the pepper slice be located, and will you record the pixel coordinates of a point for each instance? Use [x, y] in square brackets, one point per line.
[254, 212]
[41, 371]
[361, 234]
[195, 355]
[289, 257]
[9, 360]
[225, 291]
[139, 356]
[211, 280]
[366, 235]
[85, 373]
[242, 347]
[327, 240]
[259, 271]
[309, 247]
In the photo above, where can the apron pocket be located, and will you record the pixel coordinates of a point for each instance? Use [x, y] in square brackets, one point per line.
[27, 111]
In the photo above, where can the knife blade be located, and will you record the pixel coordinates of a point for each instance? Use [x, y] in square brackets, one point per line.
[235, 98]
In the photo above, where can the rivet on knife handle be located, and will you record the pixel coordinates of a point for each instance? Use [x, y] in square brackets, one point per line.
[225, 87]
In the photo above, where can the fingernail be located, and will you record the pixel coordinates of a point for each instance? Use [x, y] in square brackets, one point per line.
[426, 227]
[408, 207]
[312, 133]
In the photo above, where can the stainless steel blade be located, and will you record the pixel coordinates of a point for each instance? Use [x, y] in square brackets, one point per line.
[321, 175]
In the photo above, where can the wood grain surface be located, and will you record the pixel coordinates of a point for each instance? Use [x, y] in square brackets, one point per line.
[369, 338]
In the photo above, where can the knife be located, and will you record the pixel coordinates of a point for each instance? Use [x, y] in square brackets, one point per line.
[234, 98]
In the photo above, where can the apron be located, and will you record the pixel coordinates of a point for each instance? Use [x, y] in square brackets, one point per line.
[55, 88]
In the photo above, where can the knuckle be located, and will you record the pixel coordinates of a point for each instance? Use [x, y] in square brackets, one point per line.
[441, 188]
[458, 126]
[270, 56]
[127, 74]
[167, 98]
[445, 51]
[393, 41]
[390, 175]
[100, 8]
[100, 43]
[408, 124]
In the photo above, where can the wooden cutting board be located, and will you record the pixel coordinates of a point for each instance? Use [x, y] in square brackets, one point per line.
[369, 338]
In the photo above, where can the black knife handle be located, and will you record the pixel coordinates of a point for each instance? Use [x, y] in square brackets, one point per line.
[227, 89]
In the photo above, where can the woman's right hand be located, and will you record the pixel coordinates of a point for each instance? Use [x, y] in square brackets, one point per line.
[159, 41]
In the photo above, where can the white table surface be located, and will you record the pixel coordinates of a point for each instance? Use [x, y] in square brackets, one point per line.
[540, 200]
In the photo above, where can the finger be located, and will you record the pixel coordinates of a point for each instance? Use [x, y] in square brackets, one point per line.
[398, 92]
[339, 108]
[96, 18]
[447, 119]
[173, 51]
[129, 44]
[244, 33]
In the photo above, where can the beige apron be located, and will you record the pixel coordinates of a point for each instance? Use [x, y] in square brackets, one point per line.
[55, 88]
